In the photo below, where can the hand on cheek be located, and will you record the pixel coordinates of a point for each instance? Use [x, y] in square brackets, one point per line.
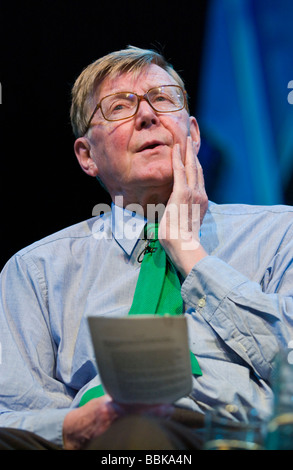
[180, 224]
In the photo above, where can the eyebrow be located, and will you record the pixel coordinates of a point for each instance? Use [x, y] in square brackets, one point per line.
[124, 90]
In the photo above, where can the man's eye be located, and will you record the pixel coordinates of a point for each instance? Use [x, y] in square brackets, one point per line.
[162, 98]
[120, 106]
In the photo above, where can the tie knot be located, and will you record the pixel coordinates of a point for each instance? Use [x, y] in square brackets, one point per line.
[151, 231]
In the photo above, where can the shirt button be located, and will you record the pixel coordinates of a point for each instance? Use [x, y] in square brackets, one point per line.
[202, 302]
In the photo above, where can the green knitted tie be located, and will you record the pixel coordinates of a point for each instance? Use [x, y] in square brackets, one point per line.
[157, 292]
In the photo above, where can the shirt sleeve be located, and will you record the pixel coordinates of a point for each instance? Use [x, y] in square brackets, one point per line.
[253, 319]
[32, 397]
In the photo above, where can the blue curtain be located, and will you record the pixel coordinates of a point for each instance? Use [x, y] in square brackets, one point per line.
[244, 109]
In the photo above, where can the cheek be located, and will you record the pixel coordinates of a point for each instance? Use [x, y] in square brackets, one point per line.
[179, 128]
[119, 144]
[117, 140]
[109, 147]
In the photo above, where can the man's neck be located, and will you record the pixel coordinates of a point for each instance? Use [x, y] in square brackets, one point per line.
[144, 202]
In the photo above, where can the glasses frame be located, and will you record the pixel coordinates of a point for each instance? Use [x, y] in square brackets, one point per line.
[140, 98]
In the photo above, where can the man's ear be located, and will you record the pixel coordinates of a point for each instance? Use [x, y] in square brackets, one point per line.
[82, 152]
[194, 132]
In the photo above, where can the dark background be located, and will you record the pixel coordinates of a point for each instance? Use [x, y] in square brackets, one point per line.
[44, 46]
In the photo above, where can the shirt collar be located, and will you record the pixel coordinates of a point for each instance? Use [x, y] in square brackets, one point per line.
[127, 227]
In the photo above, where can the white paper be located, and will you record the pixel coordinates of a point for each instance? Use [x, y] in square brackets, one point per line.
[142, 358]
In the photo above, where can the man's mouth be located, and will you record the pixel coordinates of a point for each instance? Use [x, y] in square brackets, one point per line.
[150, 146]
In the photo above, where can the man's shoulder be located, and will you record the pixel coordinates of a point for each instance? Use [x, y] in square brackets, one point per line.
[249, 209]
[62, 238]
[227, 218]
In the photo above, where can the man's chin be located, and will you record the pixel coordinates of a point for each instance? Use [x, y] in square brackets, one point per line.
[156, 174]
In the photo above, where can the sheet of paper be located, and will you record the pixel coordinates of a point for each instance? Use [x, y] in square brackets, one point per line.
[143, 358]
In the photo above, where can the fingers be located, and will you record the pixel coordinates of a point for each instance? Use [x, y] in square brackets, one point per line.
[178, 168]
[200, 177]
[191, 166]
[189, 173]
[159, 410]
[188, 177]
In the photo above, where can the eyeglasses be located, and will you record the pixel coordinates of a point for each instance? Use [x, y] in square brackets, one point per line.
[125, 104]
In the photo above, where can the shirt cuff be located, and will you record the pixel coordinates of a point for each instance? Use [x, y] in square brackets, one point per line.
[46, 423]
[208, 283]
[52, 426]
[228, 302]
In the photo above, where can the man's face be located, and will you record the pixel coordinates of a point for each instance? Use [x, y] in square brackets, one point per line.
[135, 153]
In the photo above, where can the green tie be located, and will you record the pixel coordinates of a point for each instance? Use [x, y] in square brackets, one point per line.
[158, 277]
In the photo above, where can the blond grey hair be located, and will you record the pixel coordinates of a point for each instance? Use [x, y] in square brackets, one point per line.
[132, 59]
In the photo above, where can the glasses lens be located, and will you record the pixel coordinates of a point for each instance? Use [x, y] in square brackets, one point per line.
[163, 99]
[119, 106]
[166, 98]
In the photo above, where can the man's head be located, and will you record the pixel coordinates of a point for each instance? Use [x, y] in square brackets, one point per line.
[131, 156]
[132, 59]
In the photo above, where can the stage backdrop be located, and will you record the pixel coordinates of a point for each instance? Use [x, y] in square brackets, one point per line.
[244, 111]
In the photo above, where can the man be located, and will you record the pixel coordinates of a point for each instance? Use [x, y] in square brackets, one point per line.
[134, 133]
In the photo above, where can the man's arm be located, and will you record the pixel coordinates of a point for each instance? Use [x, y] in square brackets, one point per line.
[32, 397]
[254, 321]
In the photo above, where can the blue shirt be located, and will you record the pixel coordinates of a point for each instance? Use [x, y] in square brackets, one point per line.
[238, 303]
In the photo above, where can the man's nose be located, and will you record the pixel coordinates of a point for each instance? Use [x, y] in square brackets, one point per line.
[146, 116]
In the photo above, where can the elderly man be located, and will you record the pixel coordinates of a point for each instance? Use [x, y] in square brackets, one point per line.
[134, 133]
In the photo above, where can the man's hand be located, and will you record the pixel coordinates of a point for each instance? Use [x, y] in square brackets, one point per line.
[83, 424]
[187, 205]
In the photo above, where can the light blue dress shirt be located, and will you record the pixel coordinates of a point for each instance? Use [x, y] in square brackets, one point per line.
[238, 302]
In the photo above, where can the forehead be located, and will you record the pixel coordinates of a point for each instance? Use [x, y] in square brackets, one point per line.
[138, 82]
